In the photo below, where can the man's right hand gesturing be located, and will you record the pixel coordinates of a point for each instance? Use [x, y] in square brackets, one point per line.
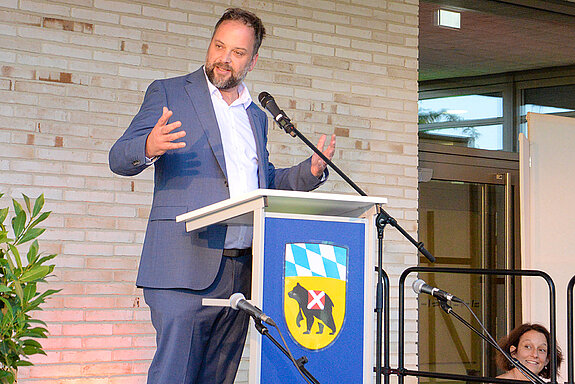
[161, 139]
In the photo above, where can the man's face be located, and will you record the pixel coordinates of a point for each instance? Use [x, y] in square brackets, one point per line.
[230, 55]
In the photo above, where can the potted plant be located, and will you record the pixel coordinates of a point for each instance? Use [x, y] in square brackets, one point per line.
[19, 278]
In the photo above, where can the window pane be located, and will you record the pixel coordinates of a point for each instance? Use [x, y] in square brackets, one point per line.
[547, 100]
[474, 121]
[483, 137]
[456, 108]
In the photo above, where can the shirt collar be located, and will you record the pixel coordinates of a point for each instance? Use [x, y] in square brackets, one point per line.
[244, 95]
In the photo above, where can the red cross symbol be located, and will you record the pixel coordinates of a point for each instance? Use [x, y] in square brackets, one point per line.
[315, 299]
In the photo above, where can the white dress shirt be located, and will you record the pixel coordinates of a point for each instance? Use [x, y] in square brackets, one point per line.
[240, 155]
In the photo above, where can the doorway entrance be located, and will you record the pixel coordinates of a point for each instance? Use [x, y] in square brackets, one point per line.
[468, 200]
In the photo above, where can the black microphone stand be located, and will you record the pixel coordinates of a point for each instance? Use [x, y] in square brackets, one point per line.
[382, 219]
[489, 339]
[263, 330]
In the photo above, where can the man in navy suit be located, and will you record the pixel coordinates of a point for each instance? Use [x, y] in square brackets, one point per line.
[207, 141]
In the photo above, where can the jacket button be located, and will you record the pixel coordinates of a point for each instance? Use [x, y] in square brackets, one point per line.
[226, 183]
[135, 163]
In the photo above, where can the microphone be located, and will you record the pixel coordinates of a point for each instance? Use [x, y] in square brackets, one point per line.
[238, 302]
[268, 102]
[420, 286]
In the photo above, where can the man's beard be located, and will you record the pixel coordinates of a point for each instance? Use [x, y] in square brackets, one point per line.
[232, 81]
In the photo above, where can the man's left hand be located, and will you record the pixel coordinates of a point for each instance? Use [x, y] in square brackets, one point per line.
[317, 163]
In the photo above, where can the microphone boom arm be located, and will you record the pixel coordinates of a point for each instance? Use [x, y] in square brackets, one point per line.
[383, 217]
[294, 132]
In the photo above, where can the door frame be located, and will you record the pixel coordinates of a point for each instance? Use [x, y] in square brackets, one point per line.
[471, 165]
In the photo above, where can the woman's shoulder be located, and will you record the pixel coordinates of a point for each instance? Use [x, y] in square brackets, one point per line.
[506, 375]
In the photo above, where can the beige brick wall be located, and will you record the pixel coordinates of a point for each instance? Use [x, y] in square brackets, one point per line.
[72, 75]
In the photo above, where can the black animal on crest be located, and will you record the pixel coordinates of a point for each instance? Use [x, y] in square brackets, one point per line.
[300, 294]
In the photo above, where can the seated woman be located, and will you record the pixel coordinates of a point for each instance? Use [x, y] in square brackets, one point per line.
[530, 344]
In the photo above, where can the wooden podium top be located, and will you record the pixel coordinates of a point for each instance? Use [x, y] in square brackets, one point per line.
[236, 210]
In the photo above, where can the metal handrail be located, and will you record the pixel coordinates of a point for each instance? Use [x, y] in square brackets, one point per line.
[402, 372]
[570, 330]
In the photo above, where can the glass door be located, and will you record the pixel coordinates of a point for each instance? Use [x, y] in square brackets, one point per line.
[466, 220]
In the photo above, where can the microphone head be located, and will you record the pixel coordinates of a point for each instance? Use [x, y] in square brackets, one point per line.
[235, 299]
[417, 285]
[264, 98]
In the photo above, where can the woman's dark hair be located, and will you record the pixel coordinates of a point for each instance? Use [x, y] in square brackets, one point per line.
[513, 339]
[249, 19]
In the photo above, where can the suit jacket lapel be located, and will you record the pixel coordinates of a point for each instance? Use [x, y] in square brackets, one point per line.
[258, 131]
[200, 98]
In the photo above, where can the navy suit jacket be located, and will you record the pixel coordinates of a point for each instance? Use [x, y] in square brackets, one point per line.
[190, 178]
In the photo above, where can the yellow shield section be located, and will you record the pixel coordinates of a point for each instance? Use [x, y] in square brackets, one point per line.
[314, 328]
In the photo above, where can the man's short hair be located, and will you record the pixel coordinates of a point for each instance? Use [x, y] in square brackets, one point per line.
[249, 19]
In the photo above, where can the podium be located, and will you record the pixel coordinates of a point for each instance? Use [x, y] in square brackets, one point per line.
[313, 273]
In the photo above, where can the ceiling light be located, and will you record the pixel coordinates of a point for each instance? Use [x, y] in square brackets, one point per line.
[448, 19]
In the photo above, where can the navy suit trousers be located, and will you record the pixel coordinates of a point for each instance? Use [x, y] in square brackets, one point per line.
[197, 344]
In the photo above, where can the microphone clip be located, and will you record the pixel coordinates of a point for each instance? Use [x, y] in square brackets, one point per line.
[443, 304]
[285, 123]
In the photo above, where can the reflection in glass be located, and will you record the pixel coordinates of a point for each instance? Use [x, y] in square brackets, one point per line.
[557, 100]
[474, 121]
[484, 137]
[476, 241]
[469, 107]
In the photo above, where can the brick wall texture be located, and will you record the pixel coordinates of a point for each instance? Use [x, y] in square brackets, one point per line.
[73, 74]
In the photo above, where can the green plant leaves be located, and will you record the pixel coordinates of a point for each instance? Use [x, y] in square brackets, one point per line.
[36, 273]
[7, 313]
[17, 207]
[29, 292]
[40, 218]
[39, 300]
[27, 201]
[18, 223]
[38, 205]
[3, 214]
[26, 232]
[37, 332]
[32, 254]
[7, 377]
[3, 239]
[19, 288]
[44, 259]
[31, 234]
[16, 254]
[24, 363]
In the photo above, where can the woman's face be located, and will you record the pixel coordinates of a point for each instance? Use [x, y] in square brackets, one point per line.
[531, 351]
